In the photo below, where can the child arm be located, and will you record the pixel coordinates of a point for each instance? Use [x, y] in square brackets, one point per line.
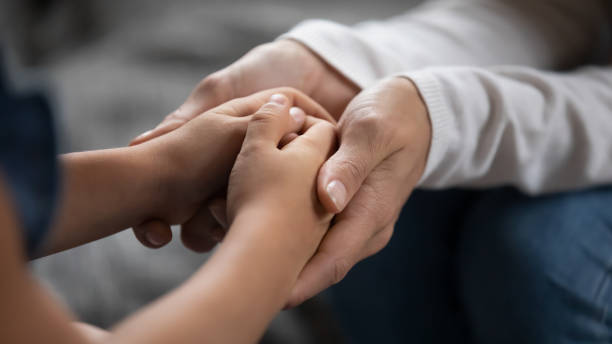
[235, 295]
[106, 191]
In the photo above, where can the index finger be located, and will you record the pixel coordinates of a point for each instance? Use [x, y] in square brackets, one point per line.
[248, 105]
[319, 135]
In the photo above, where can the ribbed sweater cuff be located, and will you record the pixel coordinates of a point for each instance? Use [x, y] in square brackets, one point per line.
[440, 117]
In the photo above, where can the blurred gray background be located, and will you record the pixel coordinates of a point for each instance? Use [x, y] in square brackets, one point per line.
[114, 69]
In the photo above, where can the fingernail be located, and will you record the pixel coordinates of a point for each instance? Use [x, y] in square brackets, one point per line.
[154, 238]
[218, 213]
[337, 193]
[145, 134]
[298, 115]
[279, 99]
[172, 123]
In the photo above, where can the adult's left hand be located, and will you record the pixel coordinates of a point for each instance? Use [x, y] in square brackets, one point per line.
[385, 135]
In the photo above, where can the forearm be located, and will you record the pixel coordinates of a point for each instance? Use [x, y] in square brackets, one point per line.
[103, 192]
[538, 131]
[246, 282]
[230, 300]
[544, 34]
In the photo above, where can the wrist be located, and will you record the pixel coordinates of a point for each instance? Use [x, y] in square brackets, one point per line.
[289, 233]
[419, 125]
[151, 172]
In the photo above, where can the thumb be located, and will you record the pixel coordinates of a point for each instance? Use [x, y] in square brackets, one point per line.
[342, 174]
[272, 122]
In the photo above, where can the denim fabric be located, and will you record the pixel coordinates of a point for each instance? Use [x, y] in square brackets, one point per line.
[28, 160]
[489, 267]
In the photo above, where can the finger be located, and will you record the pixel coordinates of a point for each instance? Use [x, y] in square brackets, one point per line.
[164, 127]
[319, 135]
[270, 123]
[202, 232]
[361, 230]
[378, 241]
[218, 209]
[92, 333]
[286, 139]
[248, 105]
[338, 252]
[213, 90]
[299, 117]
[342, 175]
[153, 233]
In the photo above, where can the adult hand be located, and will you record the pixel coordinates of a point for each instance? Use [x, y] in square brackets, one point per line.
[384, 142]
[281, 63]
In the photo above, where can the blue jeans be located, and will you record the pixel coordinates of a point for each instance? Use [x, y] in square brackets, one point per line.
[487, 267]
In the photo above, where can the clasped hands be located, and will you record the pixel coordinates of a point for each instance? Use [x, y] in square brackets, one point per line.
[384, 136]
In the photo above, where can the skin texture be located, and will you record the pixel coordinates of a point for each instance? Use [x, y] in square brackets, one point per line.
[167, 179]
[384, 134]
[278, 64]
[247, 280]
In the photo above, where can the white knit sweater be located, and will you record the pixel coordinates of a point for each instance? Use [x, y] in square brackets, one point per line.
[518, 91]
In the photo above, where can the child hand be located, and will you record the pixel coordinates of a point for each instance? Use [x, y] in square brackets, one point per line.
[195, 161]
[276, 183]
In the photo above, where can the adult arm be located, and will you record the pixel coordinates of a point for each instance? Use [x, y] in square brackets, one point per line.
[557, 34]
[456, 126]
[244, 284]
[333, 62]
[538, 131]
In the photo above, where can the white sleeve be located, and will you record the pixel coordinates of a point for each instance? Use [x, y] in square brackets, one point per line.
[552, 34]
[538, 131]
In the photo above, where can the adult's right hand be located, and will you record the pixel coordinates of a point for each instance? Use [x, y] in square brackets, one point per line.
[276, 64]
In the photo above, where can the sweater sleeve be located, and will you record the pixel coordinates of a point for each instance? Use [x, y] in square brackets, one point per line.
[538, 131]
[555, 34]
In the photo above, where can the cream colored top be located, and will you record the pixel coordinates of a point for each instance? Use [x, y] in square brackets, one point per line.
[518, 91]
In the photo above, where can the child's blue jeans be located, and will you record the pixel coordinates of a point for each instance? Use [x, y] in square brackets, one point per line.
[489, 267]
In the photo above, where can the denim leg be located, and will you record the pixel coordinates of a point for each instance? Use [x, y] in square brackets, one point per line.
[538, 270]
[406, 292]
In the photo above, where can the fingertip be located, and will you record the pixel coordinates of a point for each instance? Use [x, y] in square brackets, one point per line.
[337, 194]
[162, 129]
[218, 210]
[271, 122]
[201, 233]
[199, 242]
[332, 193]
[287, 139]
[141, 138]
[153, 234]
[158, 238]
[278, 99]
[299, 117]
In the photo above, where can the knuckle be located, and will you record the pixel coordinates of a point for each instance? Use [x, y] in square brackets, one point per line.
[384, 237]
[219, 85]
[327, 127]
[174, 116]
[296, 300]
[371, 127]
[380, 241]
[340, 268]
[253, 148]
[264, 115]
[354, 167]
